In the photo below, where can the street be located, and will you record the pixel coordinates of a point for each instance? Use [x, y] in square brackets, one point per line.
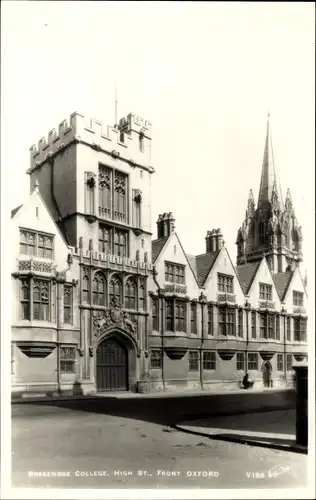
[111, 444]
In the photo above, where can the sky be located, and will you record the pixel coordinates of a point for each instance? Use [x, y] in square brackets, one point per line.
[204, 74]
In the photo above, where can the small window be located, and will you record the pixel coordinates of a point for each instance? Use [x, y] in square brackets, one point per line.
[155, 313]
[277, 326]
[253, 325]
[241, 361]
[280, 366]
[288, 328]
[240, 322]
[209, 360]
[141, 143]
[142, 299]
[85, 289]
[252, 361]
[289, 361]
[155, 358]
[37, 212]
[122, 137]
[210, 322]
[193, 318]
[68, 304]
[67, 359]
[193, 361]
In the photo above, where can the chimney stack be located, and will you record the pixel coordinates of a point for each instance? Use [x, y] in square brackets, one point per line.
[165, 225]
[214, 240]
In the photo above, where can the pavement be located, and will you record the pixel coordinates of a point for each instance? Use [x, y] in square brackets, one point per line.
[274, 429]
[122, 444]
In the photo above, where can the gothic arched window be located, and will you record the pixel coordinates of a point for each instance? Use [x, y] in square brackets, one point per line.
[130, 294]
[142, 295]
[41, 300]
[85, 288]
[98, 290]
[115, 289]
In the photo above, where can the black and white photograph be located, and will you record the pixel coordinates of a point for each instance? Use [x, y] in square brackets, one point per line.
[157, 249]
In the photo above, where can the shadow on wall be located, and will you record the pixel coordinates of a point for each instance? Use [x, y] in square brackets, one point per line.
[172, 409]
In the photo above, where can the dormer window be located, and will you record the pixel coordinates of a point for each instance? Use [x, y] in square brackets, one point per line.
[298, 298]
[175, 273]
[265, 291]
[225, 283]
[36, 244]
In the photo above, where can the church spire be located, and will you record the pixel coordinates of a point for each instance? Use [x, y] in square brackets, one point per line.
[269, 182]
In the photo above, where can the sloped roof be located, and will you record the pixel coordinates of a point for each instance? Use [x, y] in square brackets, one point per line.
[192, 262]
[281, 282]
[246, 274]
[203, 265]
[15, 211]
[157, 246]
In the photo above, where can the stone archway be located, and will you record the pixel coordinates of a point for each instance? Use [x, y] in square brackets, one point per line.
[267, 374]
[115, 361]
[111, 366]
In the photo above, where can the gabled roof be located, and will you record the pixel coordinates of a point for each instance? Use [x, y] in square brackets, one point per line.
[192, 262]
[15, 211]
[157, 246]
[281, 282]
[204, 264]
[246, 274]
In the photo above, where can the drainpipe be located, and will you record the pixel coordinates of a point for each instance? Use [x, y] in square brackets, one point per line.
[284, 344]
[247, 307]
[202, 300]
[160, 319]
[60, 279]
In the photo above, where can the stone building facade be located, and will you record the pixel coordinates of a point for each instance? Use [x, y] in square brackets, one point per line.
[126, 312]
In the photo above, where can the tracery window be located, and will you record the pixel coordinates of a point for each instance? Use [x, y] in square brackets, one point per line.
[112, 194]
[142, 298]
[85, 288]
[68, 300]
[115, 289]
[41, 300]
[98, 290]
[130, 294]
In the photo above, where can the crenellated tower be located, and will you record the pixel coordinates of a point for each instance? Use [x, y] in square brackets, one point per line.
[270, 229]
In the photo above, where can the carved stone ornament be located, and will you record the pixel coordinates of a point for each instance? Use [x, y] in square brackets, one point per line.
[114, 316]
[175, 288]
[37, 266]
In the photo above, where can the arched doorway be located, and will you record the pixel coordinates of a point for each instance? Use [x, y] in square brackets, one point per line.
[267, 374]
[111, 366]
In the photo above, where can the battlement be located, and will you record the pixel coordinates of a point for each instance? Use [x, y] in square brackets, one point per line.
[118, 141]
[111, 261]
[135, 123]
